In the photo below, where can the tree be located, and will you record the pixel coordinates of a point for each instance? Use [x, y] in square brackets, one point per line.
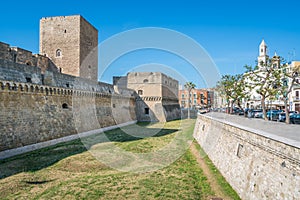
[233, 89]
[265, 80]
[289, 77]
[189, 86]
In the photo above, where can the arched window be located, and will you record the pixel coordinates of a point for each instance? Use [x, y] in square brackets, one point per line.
[58, 53]
[65, 106]
[146, 81]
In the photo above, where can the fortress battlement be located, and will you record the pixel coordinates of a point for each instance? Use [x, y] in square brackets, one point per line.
[22, 56]
[56, 93]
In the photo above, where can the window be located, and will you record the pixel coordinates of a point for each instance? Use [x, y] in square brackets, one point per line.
[182, 96]
[58, 53]
[261, 50]
[65, 106]
[239, 150]
[146, 81]
[146, 111]
[140, 92]
[297, 93]
[28, 80]
[65, 31]
[195, 95]
[195, 102]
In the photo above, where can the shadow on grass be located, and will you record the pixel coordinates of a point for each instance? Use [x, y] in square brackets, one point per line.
[42, 158]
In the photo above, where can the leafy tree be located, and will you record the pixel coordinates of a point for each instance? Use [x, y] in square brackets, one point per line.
[233, 89]
[289, 77]
[265, 79]
[189, 86]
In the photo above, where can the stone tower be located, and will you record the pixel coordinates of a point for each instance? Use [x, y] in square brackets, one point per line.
[71, 43]
[263, 57]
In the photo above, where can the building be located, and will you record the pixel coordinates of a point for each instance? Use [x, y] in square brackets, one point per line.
[199, 98]
[294, 96]
[156, 95]
[71, 43]
[276, 102]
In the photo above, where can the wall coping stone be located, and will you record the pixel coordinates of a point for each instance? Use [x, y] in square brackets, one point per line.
[265, 134]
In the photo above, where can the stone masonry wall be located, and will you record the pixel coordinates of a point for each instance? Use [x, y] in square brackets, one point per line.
[31, 113]
[157, 98]
[71, 43]
[21, 56]
[256, 166]
[36, 107]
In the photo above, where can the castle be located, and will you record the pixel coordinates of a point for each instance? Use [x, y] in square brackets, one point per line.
[55, 94]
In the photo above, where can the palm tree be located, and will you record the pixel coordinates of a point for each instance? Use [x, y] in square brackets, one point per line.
[189, 86]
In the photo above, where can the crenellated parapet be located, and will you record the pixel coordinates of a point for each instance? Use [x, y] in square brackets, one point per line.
[25, 57]
[9, 86]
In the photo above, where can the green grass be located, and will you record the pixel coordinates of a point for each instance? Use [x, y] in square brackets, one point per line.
[69, 171]
[225, 186]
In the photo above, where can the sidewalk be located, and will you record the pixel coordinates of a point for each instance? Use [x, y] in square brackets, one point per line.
[281, 131]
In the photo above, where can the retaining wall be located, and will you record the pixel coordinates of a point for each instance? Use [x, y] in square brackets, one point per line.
[255, 165]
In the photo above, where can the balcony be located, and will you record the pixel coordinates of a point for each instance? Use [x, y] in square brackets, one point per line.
[296, 99]
[296, 86]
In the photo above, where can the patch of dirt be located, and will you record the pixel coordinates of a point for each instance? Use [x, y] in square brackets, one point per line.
[210, 177]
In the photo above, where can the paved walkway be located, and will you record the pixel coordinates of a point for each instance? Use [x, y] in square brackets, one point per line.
[288, 133]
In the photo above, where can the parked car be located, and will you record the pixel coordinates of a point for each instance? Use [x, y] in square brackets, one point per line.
[280, 117]
[271, 114]
[238, 111]
[251, 113]
[293, 112]
[258, 114]
[295, 119]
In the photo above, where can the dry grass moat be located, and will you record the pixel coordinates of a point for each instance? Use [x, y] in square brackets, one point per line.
[69, 171]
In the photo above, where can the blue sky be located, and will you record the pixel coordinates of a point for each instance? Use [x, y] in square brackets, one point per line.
[230, 31]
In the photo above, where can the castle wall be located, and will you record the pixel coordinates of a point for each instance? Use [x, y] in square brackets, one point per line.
[32, 113]
[22, 56]
[157, 96]
[254, 164]
[36, 107]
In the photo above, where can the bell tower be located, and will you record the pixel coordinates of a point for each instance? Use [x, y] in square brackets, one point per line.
[263, 56]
